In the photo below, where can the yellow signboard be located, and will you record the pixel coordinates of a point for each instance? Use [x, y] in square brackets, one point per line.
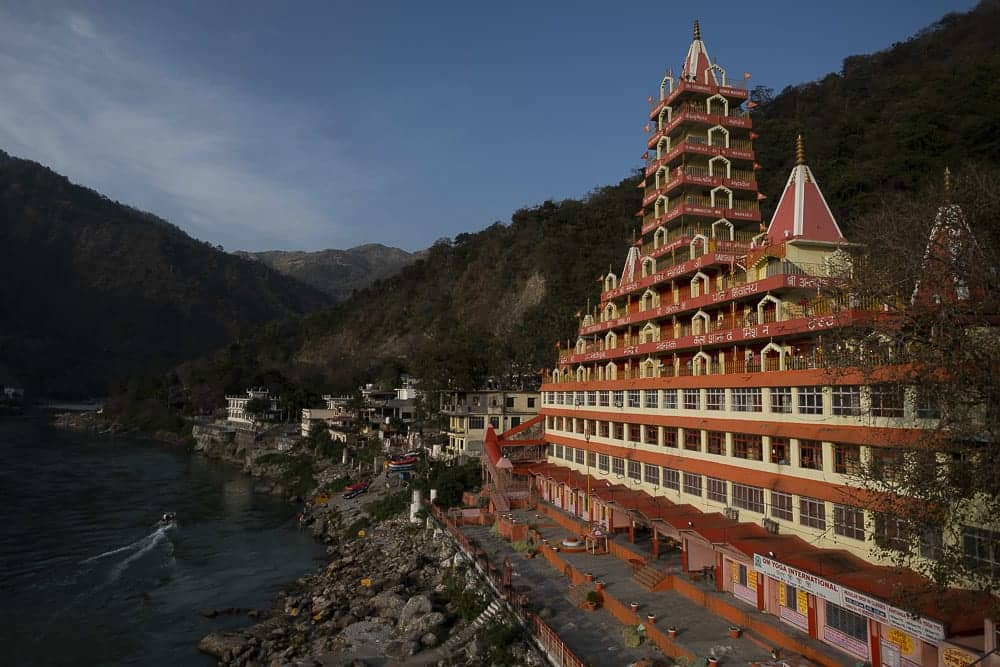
[953, 657]
[752, 579]
[900, 639]
[802, 602]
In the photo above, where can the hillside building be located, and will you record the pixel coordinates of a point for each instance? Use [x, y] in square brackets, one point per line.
[470, 414]
[236, 407]
[696, 408]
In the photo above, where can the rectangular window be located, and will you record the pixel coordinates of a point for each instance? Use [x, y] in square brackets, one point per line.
[717, 490]
[692, 399]
[748, 497]
[981, 549]
[672, 479]
[669, 399]
[887, 464]
[509, 402]
[619, 431]
[846, 459]
[849, 522]
[929, 405]
[652, 399]
[568, 454]
[887, 400]
[618, 466]
[592, 459]
[634, 432]
[652, 474]
[559, 451]
[781, 400]
[477, 423]
[932, 544]
[812, 512]
[747, 446]
[603, 462]
[670, 437]
[847, 622]
[810, 400]
[747, 399]
[495, 422]
[892, 533]
[634, 470]
[531, 401]
[579, 456]
[515, 421]
[847, 400]
[716, 442]
[550, 450]
[692, 440]
[692, 484]
[603, 398]
[650, 438]
[602, 429]
[619, 398]
[781, 505]
[715, 399]
[591, 398]
[810, 454]
[633, 398]
[779, 451]
[791, 597]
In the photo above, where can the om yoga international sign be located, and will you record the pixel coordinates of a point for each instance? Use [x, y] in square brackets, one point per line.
[869, 607]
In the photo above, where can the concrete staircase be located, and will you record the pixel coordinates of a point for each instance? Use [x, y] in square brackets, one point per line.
[500, 500]
[648, 576]
[466, 634]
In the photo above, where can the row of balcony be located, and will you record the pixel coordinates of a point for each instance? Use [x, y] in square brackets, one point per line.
[739, 149]
[735, 91]
[679, 178]
[727, 288]
[738, 119]
[791, 319]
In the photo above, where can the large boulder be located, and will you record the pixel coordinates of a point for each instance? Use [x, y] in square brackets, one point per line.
[418, 605]
[219, 644]
[388, 604]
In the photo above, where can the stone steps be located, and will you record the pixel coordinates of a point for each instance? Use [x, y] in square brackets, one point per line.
[463, 637]
[648, 577]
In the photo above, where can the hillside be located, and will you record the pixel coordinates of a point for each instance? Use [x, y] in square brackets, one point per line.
[494, 302]
[337, 272]
[94, 290]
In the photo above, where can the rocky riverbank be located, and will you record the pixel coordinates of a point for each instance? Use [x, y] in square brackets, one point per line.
[397, 594]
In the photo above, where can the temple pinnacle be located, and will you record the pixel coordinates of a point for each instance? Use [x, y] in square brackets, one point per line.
[800, 150]
[697, 30]
[947, 182]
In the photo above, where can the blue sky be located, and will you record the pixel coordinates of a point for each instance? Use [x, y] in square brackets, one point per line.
[265, 125]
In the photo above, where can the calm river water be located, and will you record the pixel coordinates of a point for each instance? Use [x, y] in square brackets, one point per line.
[87, 578]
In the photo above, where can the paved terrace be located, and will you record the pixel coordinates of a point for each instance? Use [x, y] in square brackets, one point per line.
[701, 615]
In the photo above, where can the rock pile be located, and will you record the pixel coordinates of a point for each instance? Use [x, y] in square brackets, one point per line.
[382, 599]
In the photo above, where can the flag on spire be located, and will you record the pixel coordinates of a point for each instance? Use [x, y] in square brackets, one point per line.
[647, 127]
[754, 135]
[746, 75]
[751, 104]
[645, 156]
[650, 99]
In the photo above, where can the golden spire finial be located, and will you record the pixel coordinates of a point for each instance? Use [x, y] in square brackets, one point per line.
[800, 150]
[697, 30]
[947, 182]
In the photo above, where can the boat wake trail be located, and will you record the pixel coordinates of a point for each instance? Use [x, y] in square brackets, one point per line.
[147, 544]
[138, 544]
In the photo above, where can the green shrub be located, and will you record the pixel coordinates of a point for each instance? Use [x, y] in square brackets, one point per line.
[468, 602]
[593, 597]
[387, 506]
[497, 639]
[520, 546]
[631, 636]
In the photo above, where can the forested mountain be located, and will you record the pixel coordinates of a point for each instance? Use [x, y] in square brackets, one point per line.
[93, 290]
[337, 272]
[495, 301]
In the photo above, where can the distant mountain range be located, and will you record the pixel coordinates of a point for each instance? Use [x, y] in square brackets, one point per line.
[339, 273]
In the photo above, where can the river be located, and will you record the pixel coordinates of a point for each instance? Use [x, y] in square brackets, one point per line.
[88, 578]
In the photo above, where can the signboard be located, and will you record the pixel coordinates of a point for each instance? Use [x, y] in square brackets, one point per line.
[953, 657]
[869, 607]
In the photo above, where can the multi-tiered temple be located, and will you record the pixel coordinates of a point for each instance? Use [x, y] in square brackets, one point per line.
[697, 408]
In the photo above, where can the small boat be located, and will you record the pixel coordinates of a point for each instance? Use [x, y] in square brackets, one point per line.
[167, 518]
[357, 485]
[402, 463]
[357, 489]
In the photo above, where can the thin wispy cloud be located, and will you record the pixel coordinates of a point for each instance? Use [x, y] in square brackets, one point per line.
[217, 161]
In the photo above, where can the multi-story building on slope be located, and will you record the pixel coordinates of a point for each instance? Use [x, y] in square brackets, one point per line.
[696, 407]
[470, 414]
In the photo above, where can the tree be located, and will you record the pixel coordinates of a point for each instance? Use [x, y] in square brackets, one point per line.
[931, 356]
[257, 408]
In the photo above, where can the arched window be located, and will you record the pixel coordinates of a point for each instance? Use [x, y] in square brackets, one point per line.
[648, 267]
[720, 166]
[718, 105]
[662, 147]
[649, 300]
[722, 229]
[659, 237]
[722, 196]
[611, 372]
[610, 340]
[581, 346]
[610, 311]
[666, 87]
[649, 333]
[610, 282]
[718, 136]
